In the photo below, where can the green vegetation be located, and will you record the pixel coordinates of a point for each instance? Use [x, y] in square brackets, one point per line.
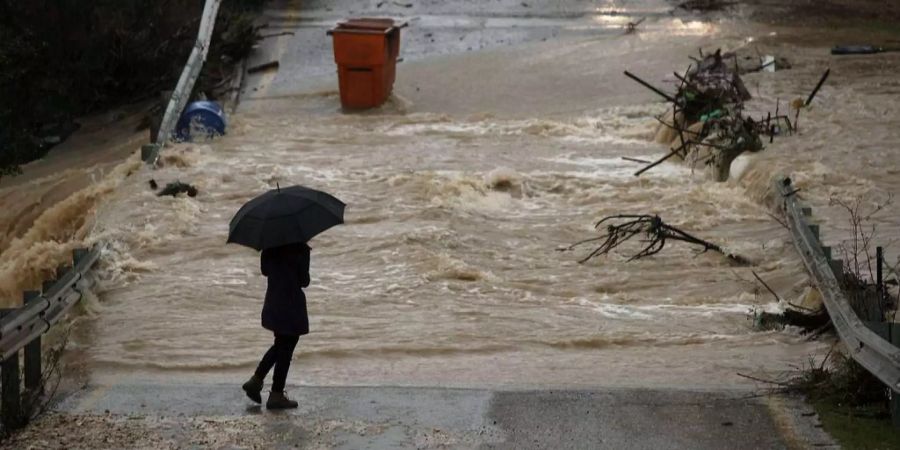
[63, 59]
[851, 403]
[857, 428]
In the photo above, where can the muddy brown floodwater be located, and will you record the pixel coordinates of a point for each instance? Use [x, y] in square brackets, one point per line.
[459, 194]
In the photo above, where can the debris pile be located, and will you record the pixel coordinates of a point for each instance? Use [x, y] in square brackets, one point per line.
[174, 188]
[706, 124]
[808, 313]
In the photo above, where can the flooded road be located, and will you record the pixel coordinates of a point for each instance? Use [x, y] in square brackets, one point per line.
[448, 256]
[459, 193]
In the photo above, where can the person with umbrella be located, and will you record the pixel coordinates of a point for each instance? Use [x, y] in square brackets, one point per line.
[280, 223]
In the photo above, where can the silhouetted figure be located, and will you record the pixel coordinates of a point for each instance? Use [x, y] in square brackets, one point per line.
[284, 313]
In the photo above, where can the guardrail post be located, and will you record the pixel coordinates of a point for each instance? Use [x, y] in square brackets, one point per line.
[10, 391]
[894, 338]
[883, 329]
[47, 285]
[62, 270]
[814, 229]
[837, 266]
[879, 278]
[78, 254]
[895, 409]
[33, 355]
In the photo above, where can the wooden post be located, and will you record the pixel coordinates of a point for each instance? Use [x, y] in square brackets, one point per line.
[10, 392]
[33, 356]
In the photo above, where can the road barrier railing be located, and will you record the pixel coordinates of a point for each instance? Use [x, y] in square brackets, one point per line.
[875, 354]
[22, 328]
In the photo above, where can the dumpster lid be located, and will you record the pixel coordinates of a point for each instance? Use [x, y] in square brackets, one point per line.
[367, 25]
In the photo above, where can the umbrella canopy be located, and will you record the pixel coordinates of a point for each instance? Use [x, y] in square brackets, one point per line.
[285, 216]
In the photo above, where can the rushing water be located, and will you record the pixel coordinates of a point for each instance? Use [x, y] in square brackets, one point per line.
[459, 194]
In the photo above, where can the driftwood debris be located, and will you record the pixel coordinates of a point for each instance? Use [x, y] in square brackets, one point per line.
[622, 227]
[651, 87]
[174, 188]
[263, 67]
[706, 124]
[818, 86]
[813, 320]
[631, 27]
[713, 80]
[637, 160]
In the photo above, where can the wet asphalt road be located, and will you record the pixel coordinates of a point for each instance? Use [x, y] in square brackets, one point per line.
[409, 417]
[296, 32]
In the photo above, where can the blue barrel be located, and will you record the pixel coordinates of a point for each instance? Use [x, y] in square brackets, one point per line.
[203, 119]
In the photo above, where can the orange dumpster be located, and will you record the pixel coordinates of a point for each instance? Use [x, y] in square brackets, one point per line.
[366, 51]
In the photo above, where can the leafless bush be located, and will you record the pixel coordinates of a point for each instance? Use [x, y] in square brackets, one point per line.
[836, 379]
[858, 250]
[868, 299]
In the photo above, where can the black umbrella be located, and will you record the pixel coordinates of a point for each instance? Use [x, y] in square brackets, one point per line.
[285, 216]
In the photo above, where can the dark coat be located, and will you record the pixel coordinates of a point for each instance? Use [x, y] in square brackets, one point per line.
[287, 269]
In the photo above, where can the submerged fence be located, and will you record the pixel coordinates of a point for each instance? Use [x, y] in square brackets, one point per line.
[21, 328]
[877, 355]
[182, 92]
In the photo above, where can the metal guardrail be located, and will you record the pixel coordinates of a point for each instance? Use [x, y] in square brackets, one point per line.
[186, 82]
[22, 328]
[870, 350]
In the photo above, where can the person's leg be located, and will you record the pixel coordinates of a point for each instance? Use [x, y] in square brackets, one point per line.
[284, 346]
[253, 387]
[268, 360]
[284, 351]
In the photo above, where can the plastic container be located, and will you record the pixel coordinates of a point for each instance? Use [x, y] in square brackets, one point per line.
[362, 87]
[201, 120]
[366, 51]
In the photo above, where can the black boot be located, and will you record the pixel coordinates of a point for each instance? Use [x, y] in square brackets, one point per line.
[278, 400]
[253, 388]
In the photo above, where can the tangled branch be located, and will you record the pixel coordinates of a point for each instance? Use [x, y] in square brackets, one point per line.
[652, 228]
